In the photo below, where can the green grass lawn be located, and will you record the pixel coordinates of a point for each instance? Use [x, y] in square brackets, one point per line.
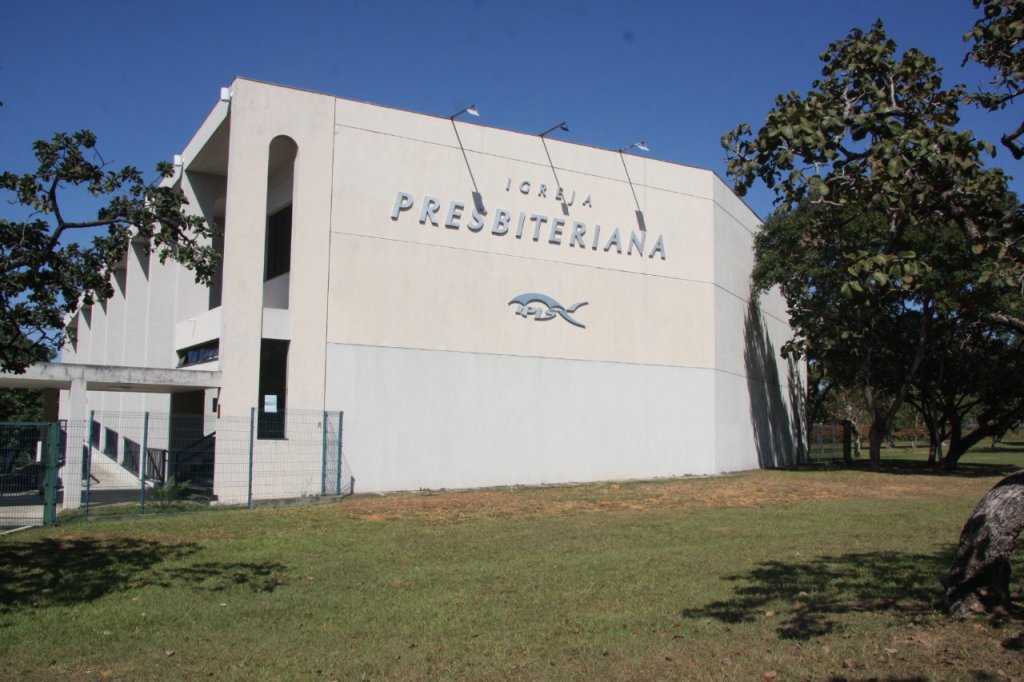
[807, 574]
[1010, 452]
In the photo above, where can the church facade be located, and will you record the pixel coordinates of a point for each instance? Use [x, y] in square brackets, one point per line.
[486, 307]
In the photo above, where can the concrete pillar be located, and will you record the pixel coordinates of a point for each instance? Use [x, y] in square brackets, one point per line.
[77, 442]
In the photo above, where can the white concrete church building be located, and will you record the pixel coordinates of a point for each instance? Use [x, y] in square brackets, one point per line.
[486, 307]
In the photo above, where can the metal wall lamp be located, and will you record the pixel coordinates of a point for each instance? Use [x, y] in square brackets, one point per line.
[478, 200]
[641, 145]
[471, 110]
[561, 126]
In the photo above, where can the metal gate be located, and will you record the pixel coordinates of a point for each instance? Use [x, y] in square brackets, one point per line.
[31, 455]
[336, 479]
[829, 441]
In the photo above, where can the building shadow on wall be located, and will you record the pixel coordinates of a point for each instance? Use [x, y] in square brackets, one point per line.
[776, 408]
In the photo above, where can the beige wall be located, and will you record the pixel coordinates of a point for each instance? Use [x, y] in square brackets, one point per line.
[400, 283]
[258, 115]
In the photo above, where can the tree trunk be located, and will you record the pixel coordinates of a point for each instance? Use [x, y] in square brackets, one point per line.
[847, 445]
[957, 445]
[876, 435]
[934, 442]
[979, 579]
[960, 447]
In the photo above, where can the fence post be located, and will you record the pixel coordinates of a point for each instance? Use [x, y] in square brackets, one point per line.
[50, 477]
[341, 423]
[323, 457]
[88, 461]
[142, 462]
[252, 425]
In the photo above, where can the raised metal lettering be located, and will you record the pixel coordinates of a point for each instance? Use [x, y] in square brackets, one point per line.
[501, 222]
[429, 210]
[476, 223]
[538, 220]
[519, 227]
[403, 202]
[659, 247]
[474, 218]
[556, 231]
[454, 215]
[579, 230]
[615, 241]
[638, 243]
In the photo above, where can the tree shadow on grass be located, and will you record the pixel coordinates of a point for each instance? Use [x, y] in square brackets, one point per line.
[1002, 447]
[912, 467]
[807, 598]
[62, 572]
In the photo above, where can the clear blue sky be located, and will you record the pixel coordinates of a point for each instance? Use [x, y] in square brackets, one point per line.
[677, 74]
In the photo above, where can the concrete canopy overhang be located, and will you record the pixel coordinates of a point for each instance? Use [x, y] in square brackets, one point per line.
[61, 375]
[207, 151]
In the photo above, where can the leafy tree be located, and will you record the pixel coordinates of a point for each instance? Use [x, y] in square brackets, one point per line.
[875, 140]
[49, 267]
[969, 389]
[870, 340]
[882, 179]
[968, 385]
[998, 43]
[21, 404]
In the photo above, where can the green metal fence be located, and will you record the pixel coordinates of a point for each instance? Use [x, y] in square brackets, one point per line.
[31, 453]
[145, 463]
[829, 441]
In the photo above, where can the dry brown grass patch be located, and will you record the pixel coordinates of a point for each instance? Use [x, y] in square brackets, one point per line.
[747, 489]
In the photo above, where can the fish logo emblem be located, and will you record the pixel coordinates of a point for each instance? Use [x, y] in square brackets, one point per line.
[542, 308]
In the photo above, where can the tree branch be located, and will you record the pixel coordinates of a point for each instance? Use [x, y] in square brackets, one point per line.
[1010, 142]
[1005, 321]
